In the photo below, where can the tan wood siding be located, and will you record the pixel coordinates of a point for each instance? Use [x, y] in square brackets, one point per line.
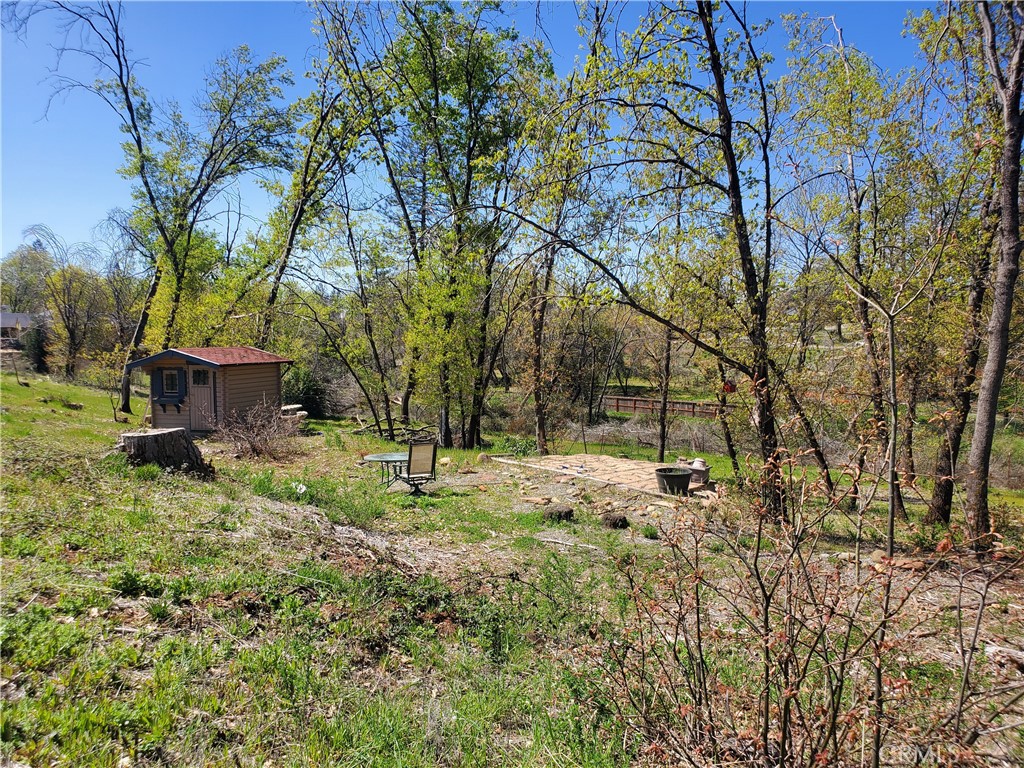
[170, 419]
[249, 385]
[169, 362]
[220, 393]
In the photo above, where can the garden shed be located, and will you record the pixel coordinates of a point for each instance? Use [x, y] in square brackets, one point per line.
[14, 324]
[198, 388]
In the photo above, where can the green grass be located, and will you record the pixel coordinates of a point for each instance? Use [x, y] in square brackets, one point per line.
[150, 616]
[153, 617]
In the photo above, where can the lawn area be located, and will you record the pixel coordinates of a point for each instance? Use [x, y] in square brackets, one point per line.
[291, 612]
[165, 620]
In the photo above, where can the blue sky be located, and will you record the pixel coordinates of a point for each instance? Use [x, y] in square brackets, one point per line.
[59, 164]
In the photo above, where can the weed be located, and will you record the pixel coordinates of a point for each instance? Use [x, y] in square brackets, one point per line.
[132, 583]
[18, 546]
[179, 589]
[566, 595]
[649, 531]
[116, 465]
[262, 484]
[497, 631]
[360, 504]
[33, 640]
[148, 472]
[333, 438]
[160, 610]
[227, 517]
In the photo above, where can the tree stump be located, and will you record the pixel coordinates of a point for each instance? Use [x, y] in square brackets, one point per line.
[614, 520]
[559, 513]
[168, 448]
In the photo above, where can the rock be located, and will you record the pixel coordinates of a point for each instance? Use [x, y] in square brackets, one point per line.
[539, 500]
[559, 513]
[444, 461]
[877, 556]
[910, 564]
[1006, 657]
[615, 520]
[467, 471]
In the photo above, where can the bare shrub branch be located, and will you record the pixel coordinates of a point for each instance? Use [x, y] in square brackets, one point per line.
[260, 431]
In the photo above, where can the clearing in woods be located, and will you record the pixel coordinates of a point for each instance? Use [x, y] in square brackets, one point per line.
[291, 612]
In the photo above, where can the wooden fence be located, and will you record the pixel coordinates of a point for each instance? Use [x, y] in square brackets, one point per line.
[675, 407]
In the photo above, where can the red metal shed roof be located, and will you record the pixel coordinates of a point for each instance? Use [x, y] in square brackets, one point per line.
[231, 355]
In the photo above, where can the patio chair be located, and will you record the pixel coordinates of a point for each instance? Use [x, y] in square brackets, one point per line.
[419, 469]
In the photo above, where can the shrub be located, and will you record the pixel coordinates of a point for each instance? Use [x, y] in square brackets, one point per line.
[309, 388]
[259, 431]
[515, 445]
[801, 666]
[35, 341]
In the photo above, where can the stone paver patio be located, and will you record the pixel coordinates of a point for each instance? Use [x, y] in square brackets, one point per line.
[634, 474]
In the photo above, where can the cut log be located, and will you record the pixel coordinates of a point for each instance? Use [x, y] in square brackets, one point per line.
[169, 448]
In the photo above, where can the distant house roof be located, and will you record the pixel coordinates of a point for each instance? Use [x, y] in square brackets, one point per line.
[216, 357]
[15, 320]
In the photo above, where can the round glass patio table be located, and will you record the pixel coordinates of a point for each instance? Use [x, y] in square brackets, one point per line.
[390, 463]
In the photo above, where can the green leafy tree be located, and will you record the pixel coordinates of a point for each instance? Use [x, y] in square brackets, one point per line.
[326, 138]
[965, 113]
[1001, 29]
[23, 277]
[439, 90]
[178, 170]
[693, 112]
[75, 298]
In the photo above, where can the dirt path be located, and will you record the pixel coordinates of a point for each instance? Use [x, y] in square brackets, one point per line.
[633, 474]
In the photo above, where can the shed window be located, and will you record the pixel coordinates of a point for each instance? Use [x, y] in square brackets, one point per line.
[170, 383]
[200, 377]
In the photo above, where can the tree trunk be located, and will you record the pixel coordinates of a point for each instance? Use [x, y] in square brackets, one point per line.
[445, 439]
[723, 419]
[908, 464]
[172, 316]
[806, 425]
[410, 388]
[169, 448]
[136, 342]
[539, 383]
[482, 370]
[773, 495]
[1008, 88]
[940, 507]
[666, 375]
[756, 283]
